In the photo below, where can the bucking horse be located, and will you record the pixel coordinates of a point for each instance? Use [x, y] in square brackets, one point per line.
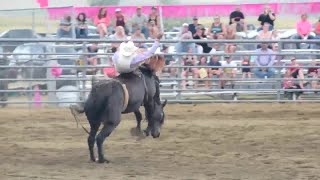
[123, 94]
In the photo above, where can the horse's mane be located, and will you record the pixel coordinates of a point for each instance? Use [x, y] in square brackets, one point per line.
[155, 63]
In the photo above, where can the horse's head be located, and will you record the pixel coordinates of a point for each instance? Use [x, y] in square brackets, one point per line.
[157, 119]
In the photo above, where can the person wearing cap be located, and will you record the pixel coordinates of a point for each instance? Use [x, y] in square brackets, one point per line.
[185, 34]
[264, 61]
[154, 16]
[120, 20]
[304, 28]
[192, 27]
[229, 70]
[102, 22]
[127, 59]
[139, 20]
[217, 29]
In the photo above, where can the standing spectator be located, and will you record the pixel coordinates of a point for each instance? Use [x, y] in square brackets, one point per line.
[184, 35]
[296, 71]
[154, 16]
[237, 20]
[246, 71]
[229, 70]
[231, 35]
[120, 20]
[194, 25]
[102, 22]
[82, 26]
[264, 61]
[215, 71]
[217, 29]
[139, 20]
[137, 35]
[153, 30]
[267, 16]
[201, 36]
[65, 29]
[304, 28]
[118, 35]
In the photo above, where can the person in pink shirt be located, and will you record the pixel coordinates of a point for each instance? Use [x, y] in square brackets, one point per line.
[102, 22]
[304, 27]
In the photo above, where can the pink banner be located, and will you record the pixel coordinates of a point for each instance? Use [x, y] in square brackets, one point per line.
[43, 3]
[198, 10]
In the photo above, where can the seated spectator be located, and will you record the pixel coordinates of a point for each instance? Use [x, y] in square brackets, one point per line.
[265, 34]
[288, 83]
[304, 28]
[118, 35]
[296, 71]
[139, 20]
[185, 34]
[215, 71]
[267, 17]
[92, 59]
[237, 20]
[120, 20]
[194, 25]
[169, 61]
[82, 27]
[317, 29]
[312, 71]
[264, 61]
[137, 35]
[246, 72]
[154, 16]
[65, 29]
[201, 35]
[102, 22]
[189, 61]
[217, 29]
[231, 35]
[275, 48]
[153, 30]
[203, 72]
[229, 70]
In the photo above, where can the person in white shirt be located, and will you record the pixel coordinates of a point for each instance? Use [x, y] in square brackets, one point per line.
[229, 70]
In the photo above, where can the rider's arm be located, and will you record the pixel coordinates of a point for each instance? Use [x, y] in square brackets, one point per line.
[145, 55]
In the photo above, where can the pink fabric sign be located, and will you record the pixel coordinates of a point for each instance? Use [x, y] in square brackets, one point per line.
[198, 10]
[43, 3]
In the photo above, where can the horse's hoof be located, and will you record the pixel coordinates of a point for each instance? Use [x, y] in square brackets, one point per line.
[136, 132]
[93, 159]
[146, 132]
[103, 161]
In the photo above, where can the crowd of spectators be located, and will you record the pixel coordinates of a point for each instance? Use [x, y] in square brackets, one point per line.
[142, 27]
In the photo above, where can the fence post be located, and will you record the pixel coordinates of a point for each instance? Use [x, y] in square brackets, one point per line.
[84, 71]
[278, 84]
[178, 97]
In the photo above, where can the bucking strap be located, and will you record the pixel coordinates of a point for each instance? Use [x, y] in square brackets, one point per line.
[126, 97]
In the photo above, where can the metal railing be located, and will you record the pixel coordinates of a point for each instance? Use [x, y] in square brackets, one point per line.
[247, 91]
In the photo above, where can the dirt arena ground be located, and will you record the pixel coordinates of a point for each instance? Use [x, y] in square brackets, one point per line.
[209, 141]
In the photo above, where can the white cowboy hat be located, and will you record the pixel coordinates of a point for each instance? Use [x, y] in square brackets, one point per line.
[127, 49]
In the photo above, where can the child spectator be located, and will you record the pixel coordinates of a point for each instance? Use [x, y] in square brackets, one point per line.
[246, 72]
[82, 27]
[267, 17]
[102, 22]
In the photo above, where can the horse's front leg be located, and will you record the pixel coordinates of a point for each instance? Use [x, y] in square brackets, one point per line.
[137, 130]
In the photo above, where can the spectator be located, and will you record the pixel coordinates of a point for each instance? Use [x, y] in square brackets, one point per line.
[215, 71]
[314, 72]
[296, 71]
[92, 59]
[246, 72]
[154, 17]
[118, 35]
[265, 34]
[82, 27]
[264, 61]
[201, 36]
[139, 20]
[317, 29]
[120, 20]
[102, 22]
[237, 20]
[189, 61]
[137, 35]
[194, 25]
[267, 17]
[65, 29]
[304, 28]
[169, 61]
[185, 34]
[275, 48]
[217, 29]
[153, 30]
[203, 72]
[229, 70]
[288, 83]
[231, 35]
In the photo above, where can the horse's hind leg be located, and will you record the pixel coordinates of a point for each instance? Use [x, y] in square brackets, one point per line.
[137, 131]
[111, 122]
[91, 139]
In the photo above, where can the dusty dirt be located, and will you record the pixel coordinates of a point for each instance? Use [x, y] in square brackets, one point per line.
[210, 141]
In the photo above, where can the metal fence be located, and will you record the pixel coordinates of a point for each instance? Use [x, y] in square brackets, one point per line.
[75, 86]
